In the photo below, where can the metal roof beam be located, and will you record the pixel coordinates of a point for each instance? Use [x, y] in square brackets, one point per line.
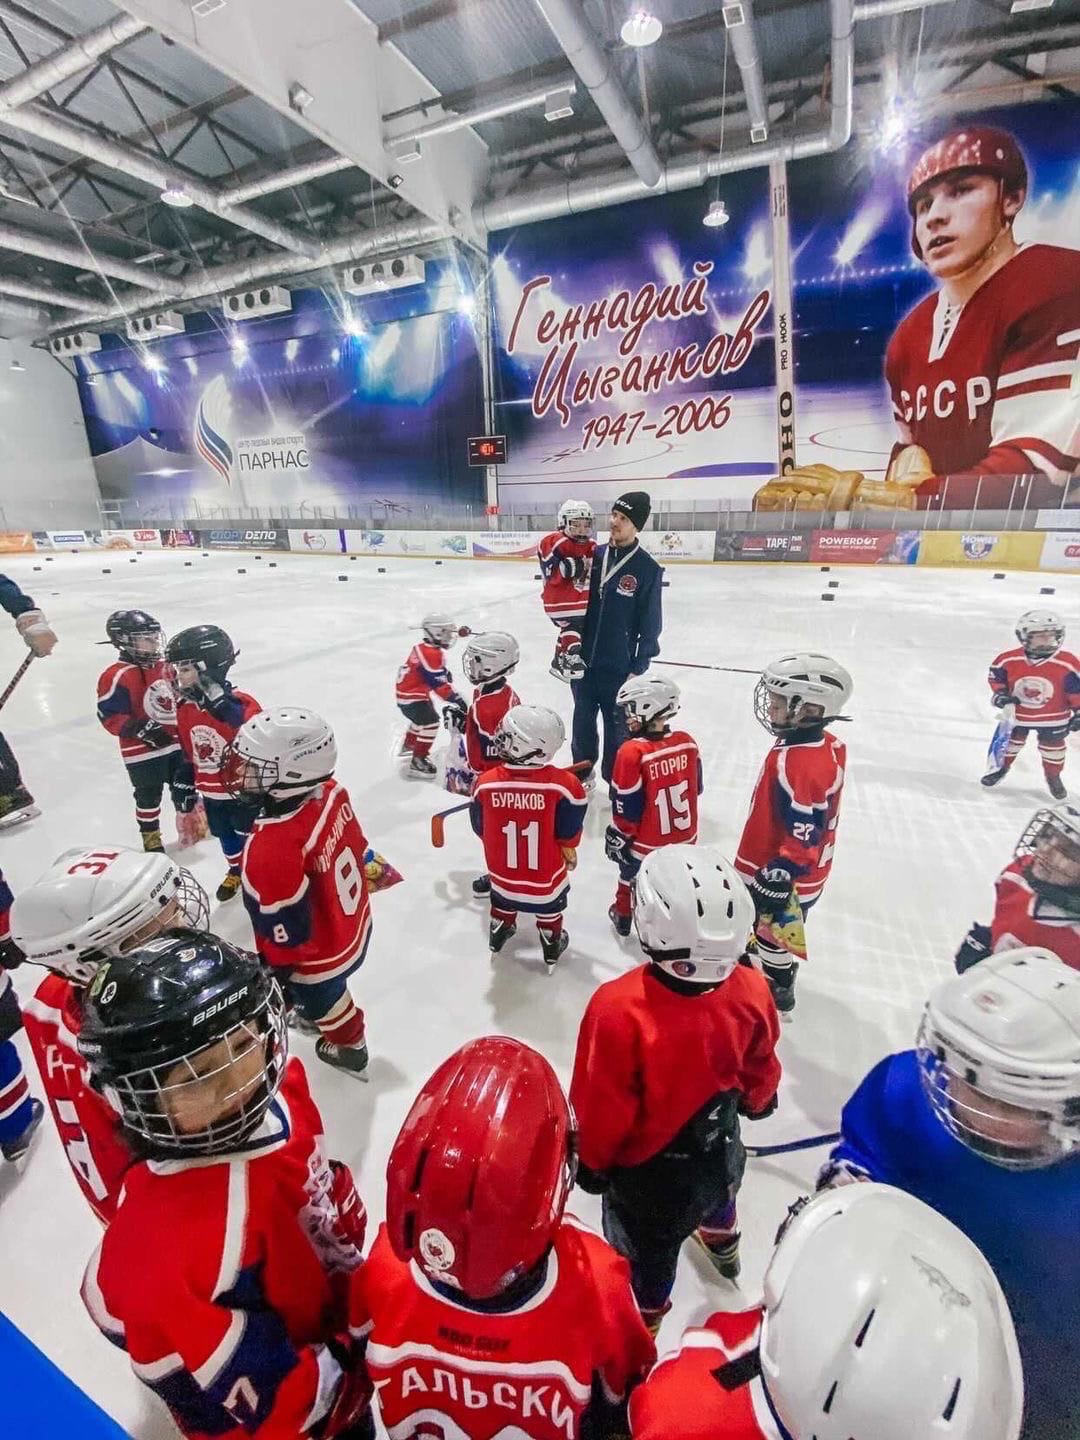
[68, 61]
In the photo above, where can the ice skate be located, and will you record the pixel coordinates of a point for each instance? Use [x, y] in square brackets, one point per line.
[622, 923]
[1056, 786]
[15, 1149]
[553, 946]
[482, 885]
[499, 933]
[229, 886]
[152, 842]
[17, 807]
[559, 667]
[995, 777]
[352, 1059]
[420, 768]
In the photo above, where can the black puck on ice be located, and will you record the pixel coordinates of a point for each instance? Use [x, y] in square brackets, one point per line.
[665, 584]
[38, 567]
[258, 557]
[104, 572]
[138, 552]
[342, 577]
[352, 557]
[382, 569]
[999, 574]
[834, 584]
[272, 565]
[538, 577]
[241, 572]
[206, 554]
[48, 559]
[828, 595]
[187, 564]
[1046, 590]
[132, 561]
[825, 569]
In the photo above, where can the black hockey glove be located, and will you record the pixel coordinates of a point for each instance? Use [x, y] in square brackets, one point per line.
[974, 947]
[1002, 699]
[183, 793]
[770, 889]
[593, 1182]
[571, 567]
[616, 845]
[1074, 723]
[148, 732]
[454, 712]
[768, 1109]
[11, 957]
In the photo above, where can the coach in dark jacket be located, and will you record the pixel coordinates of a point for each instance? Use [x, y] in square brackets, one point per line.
[622, 628]
[40, 638]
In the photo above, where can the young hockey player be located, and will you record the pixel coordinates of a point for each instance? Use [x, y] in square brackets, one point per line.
[529, 814]
[485, 1311]
[982, 1121]
[1041, 682]
[488, 661]
[668, 1057]
[209, 714]
[20, 1113]
[136, 702]
[1037, 894]
[787, 842]
[303, 873]
[88, 906]
[655, 784]
[423, 675]
[565, 562]
[880, 1320]
[224, 1271]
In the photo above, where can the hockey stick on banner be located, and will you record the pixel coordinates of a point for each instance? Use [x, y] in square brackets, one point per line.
[438, 830]
[19, 673]
[810, 1143]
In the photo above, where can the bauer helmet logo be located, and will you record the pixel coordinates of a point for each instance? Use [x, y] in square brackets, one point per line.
[437, 1251]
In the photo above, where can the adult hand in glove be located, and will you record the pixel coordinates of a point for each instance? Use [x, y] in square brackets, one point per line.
[37, 632]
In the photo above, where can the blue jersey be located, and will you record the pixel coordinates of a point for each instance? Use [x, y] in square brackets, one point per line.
[1026, 1223]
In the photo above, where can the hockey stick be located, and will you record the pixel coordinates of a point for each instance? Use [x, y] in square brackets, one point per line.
[810, 1143]
[692, 665]
[438, 831]
[19, 673]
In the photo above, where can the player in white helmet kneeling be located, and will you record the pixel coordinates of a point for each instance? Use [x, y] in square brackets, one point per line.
[88, 907]
[880, 1320]
[982, 1121]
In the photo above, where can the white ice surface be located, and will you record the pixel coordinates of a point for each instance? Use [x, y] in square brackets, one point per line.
[919, 844]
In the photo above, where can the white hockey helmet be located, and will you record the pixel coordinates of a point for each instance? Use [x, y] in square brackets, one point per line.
[92, 904]
[439, 629]
[281, 752]
[648, 698]
[490, 656]
[530, 735]
[692, 912]
[999, 1052]
[1032, 622]
[883, 1321]
[575, 510]
[802, 679]
[1052, 837]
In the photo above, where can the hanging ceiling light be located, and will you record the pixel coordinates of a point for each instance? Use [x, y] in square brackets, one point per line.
[640, 29]
[177, 197]
[716, 215]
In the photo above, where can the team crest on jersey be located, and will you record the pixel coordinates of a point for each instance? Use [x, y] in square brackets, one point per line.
[160, 702]
[207, 745]
[1033, 691]
[977, 547]
[627, 584]
[437, 1251]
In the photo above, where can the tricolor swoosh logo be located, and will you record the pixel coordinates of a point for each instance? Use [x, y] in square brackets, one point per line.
[211, 421]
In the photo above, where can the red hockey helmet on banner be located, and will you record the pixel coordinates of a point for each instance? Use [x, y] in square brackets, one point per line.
[480, 1174]
[975, 147]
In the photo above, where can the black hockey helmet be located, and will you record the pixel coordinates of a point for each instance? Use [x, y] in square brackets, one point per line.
[152, 1016]
[137, 635]
[207, 646]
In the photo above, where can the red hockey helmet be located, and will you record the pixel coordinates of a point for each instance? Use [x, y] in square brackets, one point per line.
[479, 1176]
[975, 147]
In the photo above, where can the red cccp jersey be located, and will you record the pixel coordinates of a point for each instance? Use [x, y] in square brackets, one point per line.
[655, 784]
[89, 1128]
[203, 738]
[525, 815]
[794, 812]
[423, 674]
[987, 392]
[1048, 691]
[696, 1392]
[1022, 917]
[223, 1279]
[305, 889]
[444, 1371]
[129, 693]
[565, 596]
[649, 1057]
[489, 704]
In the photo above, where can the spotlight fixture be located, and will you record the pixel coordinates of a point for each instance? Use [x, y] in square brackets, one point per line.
[395, 181]
[353, 326]
[300, 97]
[640, 29]
[177, 197]
[716, 215]
[467, 306]
[152, 362]
[558, 105]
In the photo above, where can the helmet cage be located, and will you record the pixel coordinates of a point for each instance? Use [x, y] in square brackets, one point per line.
[1055, 873]
[796, 720]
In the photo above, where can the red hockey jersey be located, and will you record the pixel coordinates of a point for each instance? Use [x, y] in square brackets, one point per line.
[1048, 691]
[794, 813]
[1021, 917]
[451, 1373]
[224, 1278]
[987, 392]
[89, 1128]
[305, 889]
[525, 815]
[655, 784]
[565, 596]
[688, 1396]
[489, 704]
[203, 738]
[129, 694]
[424, 674]
[648, 1058]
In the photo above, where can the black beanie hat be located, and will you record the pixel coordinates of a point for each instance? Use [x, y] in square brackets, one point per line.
[636, 506]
